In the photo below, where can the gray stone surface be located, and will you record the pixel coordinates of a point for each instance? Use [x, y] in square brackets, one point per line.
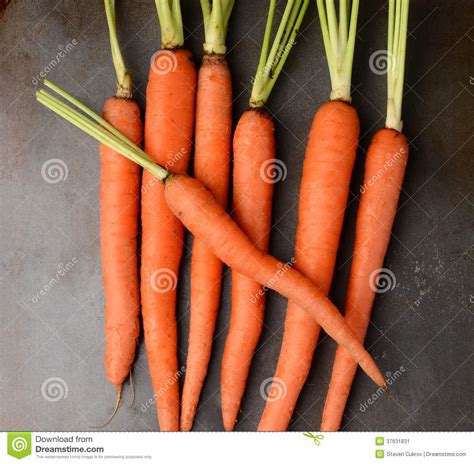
[424, 324]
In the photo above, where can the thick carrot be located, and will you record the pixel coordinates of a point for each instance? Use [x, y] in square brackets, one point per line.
[212, 168]
[254, 147]
[202, 214]
[253, 181]
[119, 217]
[169, 121]
[327, 171]
[324, 190]
[385, 166]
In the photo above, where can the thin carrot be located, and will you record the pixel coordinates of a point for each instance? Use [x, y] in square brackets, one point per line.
[254, 164]
[212, 168]
[327, 171]
[205, 218]
[385, 166]
[169, 121]
[119, 216]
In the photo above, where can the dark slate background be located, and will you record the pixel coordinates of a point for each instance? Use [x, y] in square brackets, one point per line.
[424, 324]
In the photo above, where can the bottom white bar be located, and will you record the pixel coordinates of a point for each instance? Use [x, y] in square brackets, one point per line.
[239, 447]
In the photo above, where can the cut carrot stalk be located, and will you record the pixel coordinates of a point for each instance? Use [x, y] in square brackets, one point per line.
[329, 160]
[169, 121]
[253, 182]
[212, 168]
[205, 218]
[386, 161]
[119, 216]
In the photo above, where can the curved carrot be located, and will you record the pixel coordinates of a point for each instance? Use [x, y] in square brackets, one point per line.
[202, 214]
[385, 166]
[119, 217]
[327, 170]
[169, 121]
[212, 168]
[254, 148]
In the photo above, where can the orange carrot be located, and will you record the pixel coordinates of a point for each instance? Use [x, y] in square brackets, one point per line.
[212, 168]
[253, 182]
[119, 216]
[254, 147]
[205, 218]
[327, 171]
[169, 121]
[385, 166]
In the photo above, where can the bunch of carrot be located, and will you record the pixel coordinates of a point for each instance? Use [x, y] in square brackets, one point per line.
[176, 115]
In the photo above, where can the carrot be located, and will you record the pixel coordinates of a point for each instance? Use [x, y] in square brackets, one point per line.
[212, 167]
[327, 171]
[119, 216]
[205, 218]
[254, 161]
[169, 121]
[385, 166]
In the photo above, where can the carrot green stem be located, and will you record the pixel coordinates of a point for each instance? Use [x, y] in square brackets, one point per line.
[124, 80]
[216, 18]
[339, 43]
[98, 128]
[396, 51]
[171, 23]
[272, 61]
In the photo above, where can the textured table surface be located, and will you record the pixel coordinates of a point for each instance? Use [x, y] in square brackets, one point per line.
[51, 318]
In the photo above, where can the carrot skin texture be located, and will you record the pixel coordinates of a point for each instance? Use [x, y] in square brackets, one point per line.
[254, 149]
[169, 122]
[202, 215]
[119, 216]
[329, 160]
[387, 154]
[211, 167]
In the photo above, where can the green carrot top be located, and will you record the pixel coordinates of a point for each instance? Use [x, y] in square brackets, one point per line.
[272, 60]
[396, 52]
[124, 80]
[216, 14]
[171, 23]
[339, 40]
